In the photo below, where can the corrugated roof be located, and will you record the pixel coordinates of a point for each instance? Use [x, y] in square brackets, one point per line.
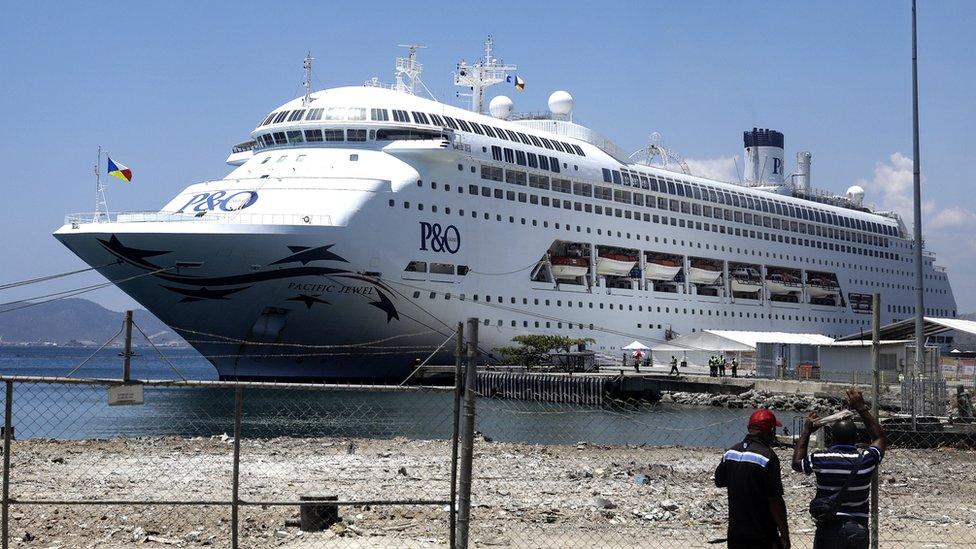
[905, 329]
[753, 338]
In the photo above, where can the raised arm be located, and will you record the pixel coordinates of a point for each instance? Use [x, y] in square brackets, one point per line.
[855, 400]
[803, 442]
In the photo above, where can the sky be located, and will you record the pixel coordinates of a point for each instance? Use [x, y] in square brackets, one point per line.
[167, 89]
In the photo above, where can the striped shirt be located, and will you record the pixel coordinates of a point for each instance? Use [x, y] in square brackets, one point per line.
[834, 465]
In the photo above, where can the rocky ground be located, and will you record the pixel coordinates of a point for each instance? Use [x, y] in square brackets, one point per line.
[524, 495]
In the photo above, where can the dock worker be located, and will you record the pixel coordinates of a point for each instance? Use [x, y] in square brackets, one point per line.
[638, 356]
[722, 361]
[844, 472]
[750, 472]
[711, 366]
[674, 367]
[684, 362]
[735, 367]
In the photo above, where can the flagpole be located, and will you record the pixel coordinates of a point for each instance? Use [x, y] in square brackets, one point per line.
[101, 206]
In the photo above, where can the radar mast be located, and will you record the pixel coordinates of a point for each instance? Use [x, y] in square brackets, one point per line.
[481, 75]
[307, 82]
[409, 67]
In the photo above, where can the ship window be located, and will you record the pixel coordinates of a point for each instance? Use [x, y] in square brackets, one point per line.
[546, 143]
[583, 189]
[496, 153]
[538, 181]
[400, 116]
[420, 118]
[295, 136]
[554, 164]
[314, 114]
[333, 135]
[281, 117]
[626, 178]
[606, 175]
[335, 113]
[477, 128]
[543, 162]
[266, 159]
[379, 115]
[509, 155]
[680, 188]
[488, 131]
[268, 119]
[501, 134]
[525, 139]
[296, 115]
[512, 135]
[579, 150]
[464, 125]
[356, 135]
[562, 186]
[535, 140]
[438, 121]
[520, 158]
[442, 268]
[279, 138]
[416, 267]
[451, 123]
[533, 160]
[356, 113]
[557, 145]
[514, 177]
[638, 199]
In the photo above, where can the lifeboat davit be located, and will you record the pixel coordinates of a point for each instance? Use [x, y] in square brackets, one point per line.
[704, 272]
[569, 268]
[661, 268]
[615, 264]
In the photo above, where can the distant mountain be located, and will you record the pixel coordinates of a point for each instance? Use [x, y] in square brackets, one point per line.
[80, 321]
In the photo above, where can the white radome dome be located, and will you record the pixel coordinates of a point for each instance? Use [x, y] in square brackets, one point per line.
[500, 107]
[561, 103]
[855, 193]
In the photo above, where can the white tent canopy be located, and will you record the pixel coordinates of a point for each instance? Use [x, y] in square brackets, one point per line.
[637, 346]
[702, 341]
[698, 346]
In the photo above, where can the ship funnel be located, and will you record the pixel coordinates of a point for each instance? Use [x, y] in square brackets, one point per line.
[801, 180]
[763, 156]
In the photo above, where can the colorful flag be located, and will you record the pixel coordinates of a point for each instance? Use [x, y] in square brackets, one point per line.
[118, 170]
[508, 78]
[519, 83]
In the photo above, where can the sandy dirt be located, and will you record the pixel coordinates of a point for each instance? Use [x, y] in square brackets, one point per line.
[524, 495]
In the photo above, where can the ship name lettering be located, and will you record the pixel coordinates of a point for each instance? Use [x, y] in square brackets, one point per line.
[437, 238]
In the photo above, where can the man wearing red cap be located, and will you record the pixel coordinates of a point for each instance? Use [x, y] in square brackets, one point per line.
[750, 471]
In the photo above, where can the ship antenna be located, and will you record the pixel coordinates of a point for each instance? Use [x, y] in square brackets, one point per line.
[409, 67]
[307, 83]
[101, 206]
[481, 75]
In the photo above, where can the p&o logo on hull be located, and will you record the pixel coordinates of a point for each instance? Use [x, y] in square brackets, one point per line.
[438, 238]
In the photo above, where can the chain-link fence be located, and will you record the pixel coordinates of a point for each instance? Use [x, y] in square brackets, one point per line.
[201, 464]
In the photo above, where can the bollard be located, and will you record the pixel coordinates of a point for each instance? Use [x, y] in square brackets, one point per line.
[316, 516]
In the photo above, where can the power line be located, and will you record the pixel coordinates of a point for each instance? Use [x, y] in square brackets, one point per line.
[46, 278]
[71, 293]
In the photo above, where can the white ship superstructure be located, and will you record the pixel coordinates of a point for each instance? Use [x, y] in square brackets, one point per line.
[361, 223]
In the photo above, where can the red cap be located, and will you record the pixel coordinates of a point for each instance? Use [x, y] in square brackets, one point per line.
[763, 420]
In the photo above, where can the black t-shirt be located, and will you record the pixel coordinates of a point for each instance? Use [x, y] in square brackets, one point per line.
[750, 470]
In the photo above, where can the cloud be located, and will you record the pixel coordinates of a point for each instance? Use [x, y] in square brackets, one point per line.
[948, 230]
[722, 168]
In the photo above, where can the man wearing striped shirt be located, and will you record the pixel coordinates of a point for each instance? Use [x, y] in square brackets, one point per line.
[834, 467]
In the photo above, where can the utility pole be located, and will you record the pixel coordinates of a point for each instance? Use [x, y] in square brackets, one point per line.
[127, 354]
[467, 442]
[919, 375]
[875, 403]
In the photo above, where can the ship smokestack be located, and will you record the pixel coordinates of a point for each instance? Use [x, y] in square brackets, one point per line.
[801, 181]
[763, 156]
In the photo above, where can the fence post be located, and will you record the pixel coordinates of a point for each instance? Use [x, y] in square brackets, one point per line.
[467, 444]
[7, 428]
[875, 404]
[459, 350]
[127, 353]
[238, 400]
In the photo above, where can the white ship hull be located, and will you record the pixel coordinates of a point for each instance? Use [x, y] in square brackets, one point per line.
[655, 271]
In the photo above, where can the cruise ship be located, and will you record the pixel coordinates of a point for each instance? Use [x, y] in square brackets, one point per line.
[360, 224]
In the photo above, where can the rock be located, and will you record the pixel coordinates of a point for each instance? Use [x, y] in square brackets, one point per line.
[603, 503]
[668, 505]
[193, 536]
[402, 471]
[641, 480]
[280, 534]
[138, 534]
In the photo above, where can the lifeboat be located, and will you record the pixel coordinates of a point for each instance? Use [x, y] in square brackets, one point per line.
[661, 268]
[820, 287]
[615, 264]
[569, 268]
[780, 283]
[704, 272]
[745, 280]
